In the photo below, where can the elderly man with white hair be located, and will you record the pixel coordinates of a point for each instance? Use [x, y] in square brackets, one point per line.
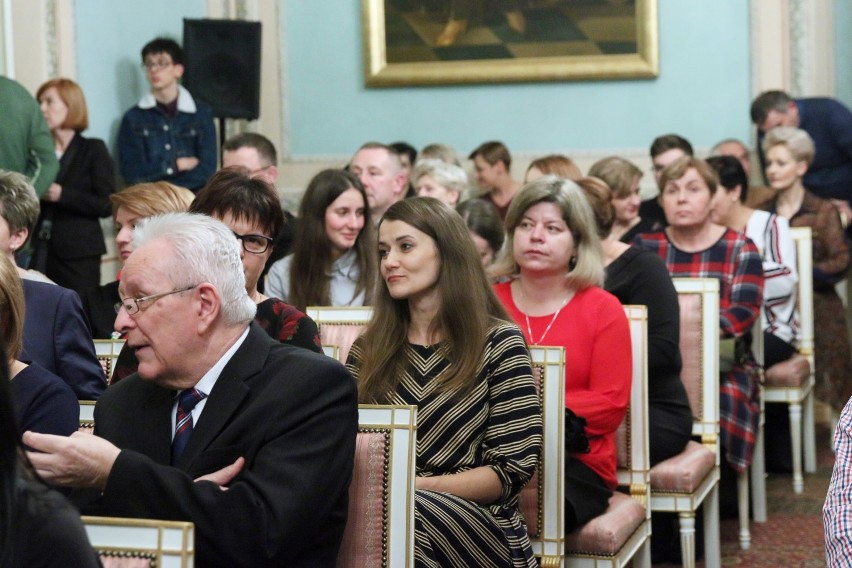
[250, 439]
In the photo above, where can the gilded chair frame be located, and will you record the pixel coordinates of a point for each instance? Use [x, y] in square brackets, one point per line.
[706, 428]
[800, 399]
[399, 424]
[328, 318]
[549, 541]
[107, 351]
[168, 544]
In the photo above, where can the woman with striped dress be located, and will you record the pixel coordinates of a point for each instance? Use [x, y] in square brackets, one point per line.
[440, 340]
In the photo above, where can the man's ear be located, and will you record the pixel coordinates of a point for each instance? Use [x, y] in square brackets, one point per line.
[179, 69]
[208, 306]
[17, 239]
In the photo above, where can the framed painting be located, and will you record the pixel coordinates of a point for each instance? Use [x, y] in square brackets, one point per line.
[440, 42]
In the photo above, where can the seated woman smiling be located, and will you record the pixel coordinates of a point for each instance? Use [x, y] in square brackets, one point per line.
[441, 341]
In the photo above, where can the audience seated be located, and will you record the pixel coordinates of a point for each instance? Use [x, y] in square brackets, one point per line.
[443, 181]
[493, 165]
[693, 246]
[129, 207]
[38, 527]
[56, 335]
[553, 164]
[622, 177]
[250, 208]
[440, 340]
[333, 260]
[407, 158]
[274, 425]
[485, 227]
[43, 402]
[68, 240]
[789, 153]
[554, 259]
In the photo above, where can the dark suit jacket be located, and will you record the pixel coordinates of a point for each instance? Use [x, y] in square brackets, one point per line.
[57, 337]
[291, 413]
[98, 305]
[87, 177]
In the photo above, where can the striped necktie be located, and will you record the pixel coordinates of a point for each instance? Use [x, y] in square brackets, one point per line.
[183, 420]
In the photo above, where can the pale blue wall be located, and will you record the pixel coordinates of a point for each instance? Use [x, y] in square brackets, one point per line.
[843, 49]
[109, 37]
[702, 91]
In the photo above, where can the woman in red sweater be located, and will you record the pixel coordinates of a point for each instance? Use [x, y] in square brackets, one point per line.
[553, 266]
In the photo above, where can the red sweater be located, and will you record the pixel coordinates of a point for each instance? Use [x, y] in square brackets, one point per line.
[594, 331]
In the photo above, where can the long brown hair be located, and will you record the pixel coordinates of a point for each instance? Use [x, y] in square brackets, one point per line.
[468, 307]
[310, 281]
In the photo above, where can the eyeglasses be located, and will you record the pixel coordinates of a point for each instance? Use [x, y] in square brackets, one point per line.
[157, 64]
[255, 244]
[132, 305]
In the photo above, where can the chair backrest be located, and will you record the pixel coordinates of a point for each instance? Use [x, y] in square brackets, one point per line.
[542, 501]
[87, 416]
[340, 326]
[699, 352]
[142, 542]
[380, 527]
[107, 351]
[805, 267]
[631, 438]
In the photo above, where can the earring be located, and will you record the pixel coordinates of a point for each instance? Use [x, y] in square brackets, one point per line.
[572, 263]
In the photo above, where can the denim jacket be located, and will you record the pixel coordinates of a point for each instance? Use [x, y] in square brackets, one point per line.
[149, 142]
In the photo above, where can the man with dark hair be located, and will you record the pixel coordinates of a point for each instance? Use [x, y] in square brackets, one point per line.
[256, 153]
[168, 136]
[737, 149]
[664, 150]
[829, 124]
[379, 168]
[493, 165]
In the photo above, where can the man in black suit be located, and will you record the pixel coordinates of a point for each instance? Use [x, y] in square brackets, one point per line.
[265, 472]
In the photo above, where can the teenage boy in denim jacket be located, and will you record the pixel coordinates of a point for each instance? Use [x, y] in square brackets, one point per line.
[168, 135]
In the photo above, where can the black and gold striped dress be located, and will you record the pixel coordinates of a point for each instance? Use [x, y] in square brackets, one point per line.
[498, 425]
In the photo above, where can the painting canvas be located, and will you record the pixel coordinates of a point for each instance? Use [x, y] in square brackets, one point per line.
[422, 42]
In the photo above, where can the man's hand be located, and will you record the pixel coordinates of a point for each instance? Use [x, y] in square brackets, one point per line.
[184, 164]
[81, 460]
[225, 475]
[54, 192]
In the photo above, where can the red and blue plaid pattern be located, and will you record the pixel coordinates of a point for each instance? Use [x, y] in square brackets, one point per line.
[735, 262]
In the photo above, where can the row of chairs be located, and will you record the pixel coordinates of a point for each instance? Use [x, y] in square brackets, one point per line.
[622, 533]
[678, 485]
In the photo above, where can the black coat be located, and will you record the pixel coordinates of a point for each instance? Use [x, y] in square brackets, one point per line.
[87, 177]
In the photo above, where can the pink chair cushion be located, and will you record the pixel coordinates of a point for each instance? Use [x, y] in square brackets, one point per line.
[607, 533]
[790, 373]
[684, 472]
[365, 528]
[109, 561]
[342, 335]
[690, 348]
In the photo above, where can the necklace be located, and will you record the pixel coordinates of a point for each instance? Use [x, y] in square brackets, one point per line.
[552, 320]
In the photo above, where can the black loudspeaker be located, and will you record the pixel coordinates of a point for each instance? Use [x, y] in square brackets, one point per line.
[222, 65]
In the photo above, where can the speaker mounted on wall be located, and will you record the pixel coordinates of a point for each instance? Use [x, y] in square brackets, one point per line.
[222, 65]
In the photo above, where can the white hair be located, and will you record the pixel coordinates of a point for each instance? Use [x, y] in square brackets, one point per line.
[205, 250]
[450, 176]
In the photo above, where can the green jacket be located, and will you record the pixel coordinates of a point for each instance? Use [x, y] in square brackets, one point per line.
[26, 145]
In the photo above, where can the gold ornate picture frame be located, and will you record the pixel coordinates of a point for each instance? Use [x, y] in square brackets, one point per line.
[411, 42]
